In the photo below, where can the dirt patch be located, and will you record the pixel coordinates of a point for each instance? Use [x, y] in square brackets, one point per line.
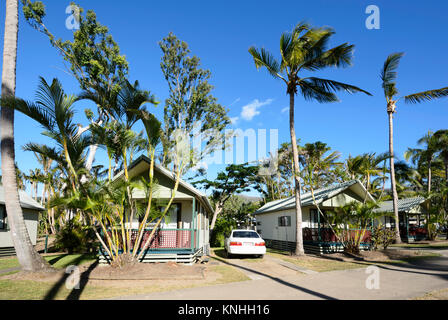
[40, 244]
[148, 271]
[139, 271]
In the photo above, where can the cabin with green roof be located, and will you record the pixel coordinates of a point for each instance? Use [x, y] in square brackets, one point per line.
[276, 220]
[412, 216]
[183, 235]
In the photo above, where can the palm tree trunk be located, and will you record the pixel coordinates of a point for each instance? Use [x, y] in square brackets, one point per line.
[392, 178]
[299, 236]
[28, 257]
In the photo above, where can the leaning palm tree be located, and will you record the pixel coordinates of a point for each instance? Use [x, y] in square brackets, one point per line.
[302, 50]
[28, 257]
[388, 77]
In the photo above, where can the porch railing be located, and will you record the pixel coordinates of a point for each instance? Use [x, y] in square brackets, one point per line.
[327, 235]
[168, 239]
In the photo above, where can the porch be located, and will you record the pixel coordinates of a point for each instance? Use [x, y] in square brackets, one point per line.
[182, 236]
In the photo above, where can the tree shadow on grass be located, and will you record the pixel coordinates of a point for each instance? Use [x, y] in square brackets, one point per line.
[84, 279]
[416, 265]
[281, 281]
[57, 258]
[51, 294]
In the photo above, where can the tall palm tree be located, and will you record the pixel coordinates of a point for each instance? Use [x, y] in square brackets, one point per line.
[388, 77]
[302, 50]
[28, 257]
[442, 146]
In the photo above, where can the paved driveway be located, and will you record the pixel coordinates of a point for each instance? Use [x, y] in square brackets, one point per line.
[395, 282]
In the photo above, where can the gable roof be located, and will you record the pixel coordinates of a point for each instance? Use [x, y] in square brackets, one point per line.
[26, 202]
[320, 195]
[167, 173]
[404, 205]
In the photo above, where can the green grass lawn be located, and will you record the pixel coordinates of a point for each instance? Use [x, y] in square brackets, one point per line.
[314, 263]
[58, 261]
[39, 290]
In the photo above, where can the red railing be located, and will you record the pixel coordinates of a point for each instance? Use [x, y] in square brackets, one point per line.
[164, 239]
[415, 232]
[327, 235]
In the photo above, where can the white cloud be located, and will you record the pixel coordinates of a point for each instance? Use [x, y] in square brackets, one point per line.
[234, 120]
[250, 110]
[235, 101]
[285, 109]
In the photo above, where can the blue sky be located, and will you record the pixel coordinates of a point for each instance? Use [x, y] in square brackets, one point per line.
[220, 33]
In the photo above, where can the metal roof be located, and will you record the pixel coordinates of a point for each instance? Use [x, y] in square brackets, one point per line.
[170, 175]
[404, 205]
[320, 195]
[26, 201]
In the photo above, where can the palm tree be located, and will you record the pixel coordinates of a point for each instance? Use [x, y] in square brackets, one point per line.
[424, 157]
[388, 77]
[442, 146]
[305, 49]
[28, 257]
[317, 165]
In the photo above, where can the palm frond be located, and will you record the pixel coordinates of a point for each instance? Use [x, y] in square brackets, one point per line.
[262, 58]
[389, 73]
[333, 86]
[426, 95]
[36, 112]
[340, 56]
[314, 92]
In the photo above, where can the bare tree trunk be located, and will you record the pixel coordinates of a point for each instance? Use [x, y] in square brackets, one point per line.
[299, 234]
[218, 210]
[392, 178]
[28, 257]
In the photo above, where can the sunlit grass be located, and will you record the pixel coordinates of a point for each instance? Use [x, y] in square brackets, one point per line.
[38, 290]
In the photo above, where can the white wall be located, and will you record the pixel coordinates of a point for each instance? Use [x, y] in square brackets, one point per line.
[269, 228]
[31, 219]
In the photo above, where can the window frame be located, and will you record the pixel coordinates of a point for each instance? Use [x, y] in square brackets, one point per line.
[284, 221]
[3, 216]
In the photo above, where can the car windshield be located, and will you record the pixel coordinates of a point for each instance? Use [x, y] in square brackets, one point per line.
[245, 234]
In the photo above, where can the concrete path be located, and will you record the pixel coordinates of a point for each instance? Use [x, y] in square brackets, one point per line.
[395, 282]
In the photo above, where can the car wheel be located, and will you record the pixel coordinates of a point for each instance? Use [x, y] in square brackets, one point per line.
[227, 255]
[261, 256]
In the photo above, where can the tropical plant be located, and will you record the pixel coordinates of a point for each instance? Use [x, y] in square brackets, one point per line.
[93, 58]
[305, 49]
[351, 222]
[388, 78]
[382, 236]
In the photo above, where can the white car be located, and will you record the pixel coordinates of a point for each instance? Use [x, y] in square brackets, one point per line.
[244, 242]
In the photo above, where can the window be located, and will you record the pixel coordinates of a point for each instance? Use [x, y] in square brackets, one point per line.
[2, 217]
[284, 221]
[245, 234]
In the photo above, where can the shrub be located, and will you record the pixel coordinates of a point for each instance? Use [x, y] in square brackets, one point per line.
[222, 228]
[74, 238]
[382, 236]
